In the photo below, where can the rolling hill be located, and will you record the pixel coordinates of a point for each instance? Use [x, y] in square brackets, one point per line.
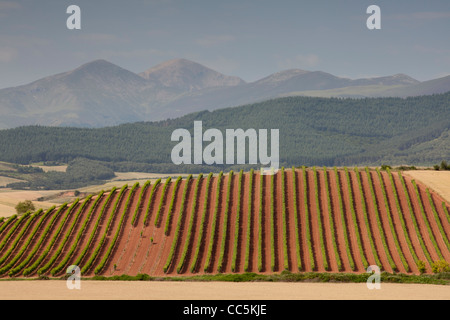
[314, 220]
[313, 131]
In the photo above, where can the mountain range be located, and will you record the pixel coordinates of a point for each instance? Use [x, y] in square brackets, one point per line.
[99, 93]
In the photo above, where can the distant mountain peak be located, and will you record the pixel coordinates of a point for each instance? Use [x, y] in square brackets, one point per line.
[284, 75]
[188, 75]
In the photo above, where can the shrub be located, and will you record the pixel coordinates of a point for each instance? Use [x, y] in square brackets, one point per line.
[421, 266]
[25, 206]
[440, 266]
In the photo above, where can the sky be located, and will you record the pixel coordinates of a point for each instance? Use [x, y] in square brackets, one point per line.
[250, 39]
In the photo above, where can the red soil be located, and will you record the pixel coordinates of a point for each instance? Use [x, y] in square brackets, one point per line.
[420, 221]
[290, 220]
[21, 241]
[376, 232]
[398, 229]
[409, 221]
[433, 223]
[305, 256]
[145, 248]
[338, 224]
[326, 225]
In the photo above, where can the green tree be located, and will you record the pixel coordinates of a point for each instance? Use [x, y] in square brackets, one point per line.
[25, 206]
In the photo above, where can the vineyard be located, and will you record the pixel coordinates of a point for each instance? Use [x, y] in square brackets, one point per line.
[301, 220]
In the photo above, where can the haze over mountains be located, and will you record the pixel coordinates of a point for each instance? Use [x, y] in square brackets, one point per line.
[100, 94]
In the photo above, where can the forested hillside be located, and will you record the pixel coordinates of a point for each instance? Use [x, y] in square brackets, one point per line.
[313, 131]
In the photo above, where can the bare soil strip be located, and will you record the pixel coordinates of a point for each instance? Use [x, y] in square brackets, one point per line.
[401, 236]
[332, 261]
[419, 218]
[306, 258]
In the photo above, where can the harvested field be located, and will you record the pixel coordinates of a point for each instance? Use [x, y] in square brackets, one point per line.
[344, 222]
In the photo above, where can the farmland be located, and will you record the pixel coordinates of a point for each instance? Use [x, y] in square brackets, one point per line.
[307, 220]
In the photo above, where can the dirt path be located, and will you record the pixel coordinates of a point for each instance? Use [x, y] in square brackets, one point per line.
[103, 290]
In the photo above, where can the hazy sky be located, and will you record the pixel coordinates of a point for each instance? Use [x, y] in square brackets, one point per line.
[246, 38]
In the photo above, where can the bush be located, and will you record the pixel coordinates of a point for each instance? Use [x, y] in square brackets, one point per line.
[440, 266]
[25, 206]
[384, 167]
[422, 266]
